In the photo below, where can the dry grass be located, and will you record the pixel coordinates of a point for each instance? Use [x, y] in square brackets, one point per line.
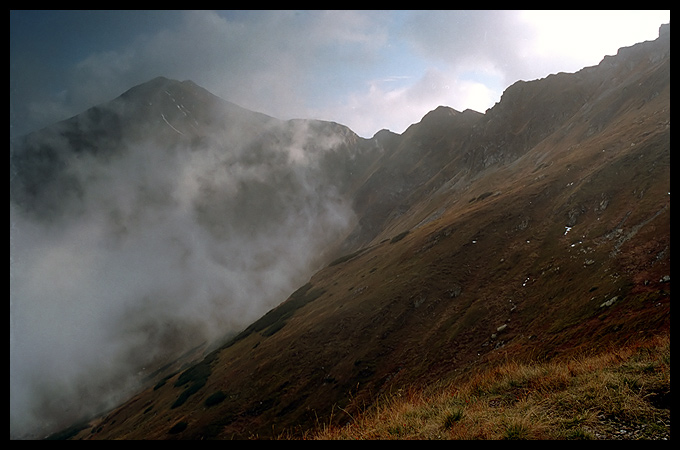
[622, 393]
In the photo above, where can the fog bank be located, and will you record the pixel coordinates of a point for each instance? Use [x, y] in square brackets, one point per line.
[119, 261]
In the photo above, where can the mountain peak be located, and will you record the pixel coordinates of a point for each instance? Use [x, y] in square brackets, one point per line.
[150, 86]
[443, 117]
[438, 117]
[441, 112]
[445, 114]
[472, 112]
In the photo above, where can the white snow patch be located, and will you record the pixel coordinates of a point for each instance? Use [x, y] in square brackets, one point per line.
[178, 105]
[170, 125]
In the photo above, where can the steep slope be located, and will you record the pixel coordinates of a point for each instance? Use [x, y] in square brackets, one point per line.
[448, 150]
[539, 230]
[403, 176]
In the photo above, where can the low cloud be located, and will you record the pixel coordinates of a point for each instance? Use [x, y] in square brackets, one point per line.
[151, 251]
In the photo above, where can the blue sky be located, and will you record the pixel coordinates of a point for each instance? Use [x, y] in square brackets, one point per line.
[365, 69]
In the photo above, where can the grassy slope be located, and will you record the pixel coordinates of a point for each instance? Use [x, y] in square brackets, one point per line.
[621, 393]
[424, 309]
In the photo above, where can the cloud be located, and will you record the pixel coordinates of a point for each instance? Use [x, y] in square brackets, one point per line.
[527, 44]
[264, 61]
[157, 250]
[569, 40]
[466, 59]
[471, 40]
[314, 64]
[366, 111]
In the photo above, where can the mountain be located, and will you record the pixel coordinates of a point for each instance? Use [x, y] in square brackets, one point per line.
[153, 225]
[537, 231]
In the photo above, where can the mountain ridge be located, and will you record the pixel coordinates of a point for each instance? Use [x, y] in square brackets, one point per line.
[534, 231]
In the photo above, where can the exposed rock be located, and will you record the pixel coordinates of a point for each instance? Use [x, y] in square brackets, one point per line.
[454, 291]
[609, 302]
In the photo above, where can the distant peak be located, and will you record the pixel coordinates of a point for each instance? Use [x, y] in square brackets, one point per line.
[471, 112]
[152, 85]
[190, 83]
[161, 82]
[439, 114]
[159, 79]
[384, 132]
[442, 111]
[385, 137]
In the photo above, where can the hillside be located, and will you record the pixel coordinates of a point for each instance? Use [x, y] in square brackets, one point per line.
[536, 232]
[620, 393]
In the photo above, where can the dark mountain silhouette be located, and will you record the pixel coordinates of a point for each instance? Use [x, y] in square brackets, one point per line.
[538, 230]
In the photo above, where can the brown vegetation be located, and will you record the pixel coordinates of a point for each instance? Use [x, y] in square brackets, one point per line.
[623, 393]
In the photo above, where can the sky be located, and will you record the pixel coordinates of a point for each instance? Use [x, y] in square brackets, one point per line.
[368, 70]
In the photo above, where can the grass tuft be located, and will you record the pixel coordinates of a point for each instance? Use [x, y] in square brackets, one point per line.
[592, 397]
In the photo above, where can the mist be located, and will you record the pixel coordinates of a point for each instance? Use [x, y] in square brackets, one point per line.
[123, 260]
